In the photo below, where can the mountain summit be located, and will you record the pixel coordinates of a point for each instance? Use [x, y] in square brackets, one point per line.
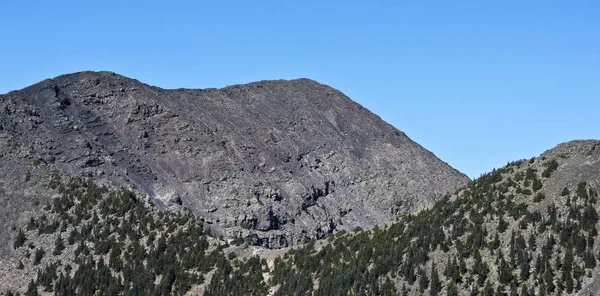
[274, 162]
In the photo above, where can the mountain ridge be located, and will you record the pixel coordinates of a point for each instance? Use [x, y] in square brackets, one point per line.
[276, 162]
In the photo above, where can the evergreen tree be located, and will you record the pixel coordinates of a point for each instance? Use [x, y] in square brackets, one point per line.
[31, 289]
[59, 246]
[568, 282]
[39, 254]
[404, 290]
[504, 272]
[452, 289]
[502, 225]
[488, 290]
[19, 239]
[549, 280]
[524, 291]
[436, 285]
[423, 281]
[524, 274]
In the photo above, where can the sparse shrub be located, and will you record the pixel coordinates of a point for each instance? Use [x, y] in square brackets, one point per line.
[539, 197]
[551, 166]
[530, 174]
[537, 185]
[518, 176]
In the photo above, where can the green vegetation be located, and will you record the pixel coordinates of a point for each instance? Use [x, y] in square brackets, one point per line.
[122, 246]
[551, 166]
[493, 237]
[490, 239]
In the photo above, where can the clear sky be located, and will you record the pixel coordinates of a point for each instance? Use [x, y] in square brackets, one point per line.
[478, 84]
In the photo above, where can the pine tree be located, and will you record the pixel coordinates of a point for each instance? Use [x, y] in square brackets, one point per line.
[496, 242]
[589, 260]
[502, 225]
[505, 274]
[436, 285]
[531, 242]
[39, 254]
[499, 291]
[452, 289]
[423, 281]
[488, 290]
[539, 265]
[32, 289]
[19, 239]
[59, 246]
[549, 280]
[568, 281]
[567, 264]
[524, 291]
[542, 289]
[404, 290]
[524, 275]
[513, 289]
[578, 285]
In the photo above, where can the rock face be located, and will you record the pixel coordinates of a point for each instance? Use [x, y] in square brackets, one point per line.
[274, 162]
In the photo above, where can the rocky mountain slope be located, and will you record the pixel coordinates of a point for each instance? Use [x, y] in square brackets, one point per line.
[530, 228]
[275, 162]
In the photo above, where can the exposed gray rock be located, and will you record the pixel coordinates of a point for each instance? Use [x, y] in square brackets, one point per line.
[276, 162]
[578, 161]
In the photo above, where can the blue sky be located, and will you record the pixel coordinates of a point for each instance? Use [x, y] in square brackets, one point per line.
[477, 83]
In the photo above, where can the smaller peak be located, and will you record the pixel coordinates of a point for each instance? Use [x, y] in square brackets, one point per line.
[575, 147]
[90, 74]
[306, 80]
[96, 78]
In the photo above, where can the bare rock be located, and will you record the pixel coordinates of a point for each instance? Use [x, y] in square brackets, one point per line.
[280, 162]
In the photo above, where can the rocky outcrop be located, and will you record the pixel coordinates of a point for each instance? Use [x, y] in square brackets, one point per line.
[274, 162]
[577, 161]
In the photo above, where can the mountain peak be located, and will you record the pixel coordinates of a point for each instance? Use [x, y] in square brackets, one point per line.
[279, 162]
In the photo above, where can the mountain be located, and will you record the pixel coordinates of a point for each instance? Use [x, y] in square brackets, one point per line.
[110, 186]
[275, 162]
